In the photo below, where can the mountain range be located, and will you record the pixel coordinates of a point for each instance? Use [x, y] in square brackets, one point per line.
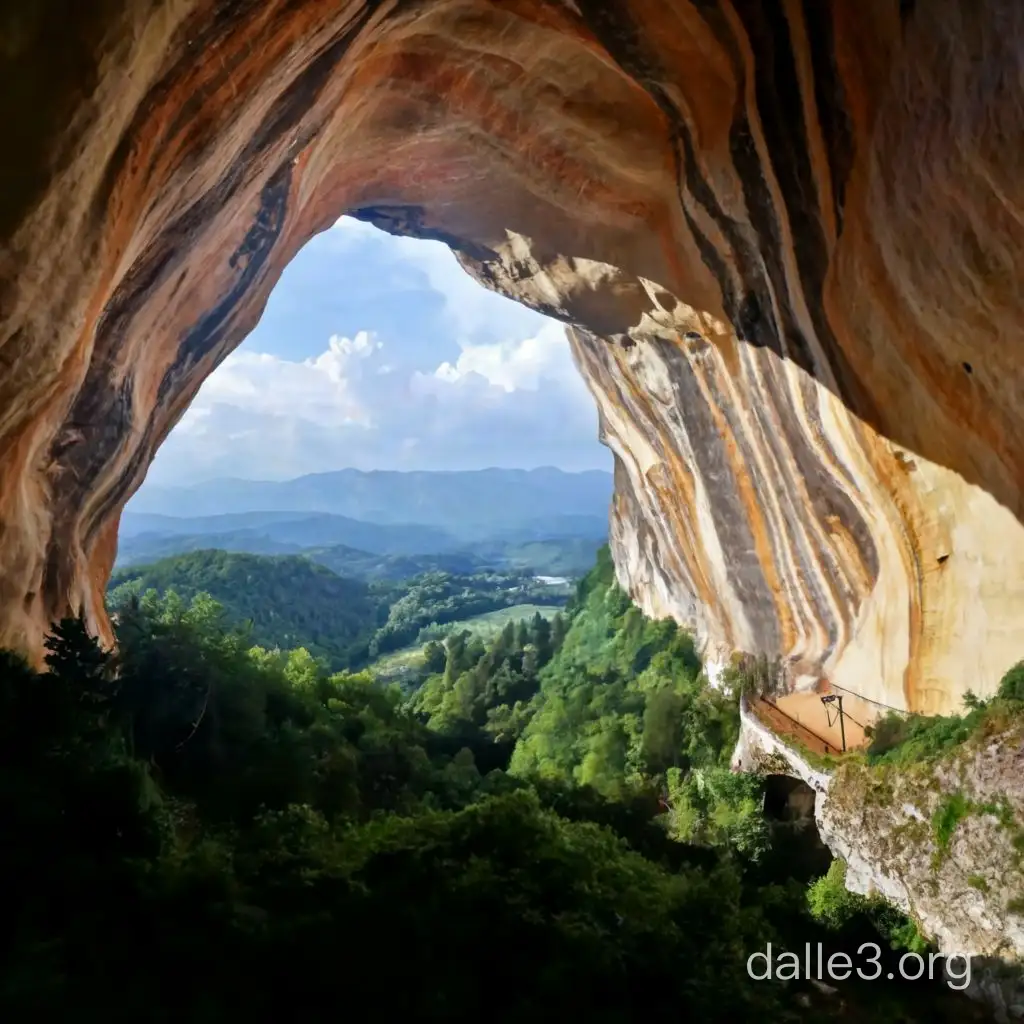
[383, 524]
[474, 502]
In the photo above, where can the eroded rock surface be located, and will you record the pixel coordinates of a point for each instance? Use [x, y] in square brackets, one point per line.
[786, 233]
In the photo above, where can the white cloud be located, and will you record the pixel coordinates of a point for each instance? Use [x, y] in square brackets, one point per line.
[490, 384]
[517, 365]
[263, 416]
[325, 389]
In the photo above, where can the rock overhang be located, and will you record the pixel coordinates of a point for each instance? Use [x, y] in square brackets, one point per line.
[783, 235]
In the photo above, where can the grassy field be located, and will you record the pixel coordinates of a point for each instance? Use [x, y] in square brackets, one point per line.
[406, 662]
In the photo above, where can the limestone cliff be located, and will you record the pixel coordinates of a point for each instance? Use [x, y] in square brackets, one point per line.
[785, 233]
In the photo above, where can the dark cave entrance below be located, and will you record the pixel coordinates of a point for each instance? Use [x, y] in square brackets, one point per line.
[788, 800]
[788, 807]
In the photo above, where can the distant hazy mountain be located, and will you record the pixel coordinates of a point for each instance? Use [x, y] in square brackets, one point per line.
[284, 532]
[151, 547]
[552, 556]
[383, 525]
[475, 503]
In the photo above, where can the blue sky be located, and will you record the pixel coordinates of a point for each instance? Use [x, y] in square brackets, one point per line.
[378, 352]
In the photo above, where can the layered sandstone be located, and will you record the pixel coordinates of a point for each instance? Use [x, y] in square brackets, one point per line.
[784, 232]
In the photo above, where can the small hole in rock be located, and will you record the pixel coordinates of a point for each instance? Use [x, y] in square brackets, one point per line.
[692, 336]
[628, 342]
[968, 368]
[942, 558]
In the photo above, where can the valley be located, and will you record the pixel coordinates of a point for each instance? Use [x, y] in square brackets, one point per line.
[519, 659]
[543, 522]
[550, 793]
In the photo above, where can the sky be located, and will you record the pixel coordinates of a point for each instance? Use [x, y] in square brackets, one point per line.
[377, 352]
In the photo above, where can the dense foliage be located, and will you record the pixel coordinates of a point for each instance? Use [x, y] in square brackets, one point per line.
[623, 708]
[832, 904]
[229, 831]
[477, 691]
[202, 830]
[436, 599]
[897, 738]
[291, 601]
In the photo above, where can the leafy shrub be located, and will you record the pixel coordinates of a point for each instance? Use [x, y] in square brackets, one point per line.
[897, 738]
[947, 817]
[903, 739]
[834, 906]
[830, 902]
[1012, 685]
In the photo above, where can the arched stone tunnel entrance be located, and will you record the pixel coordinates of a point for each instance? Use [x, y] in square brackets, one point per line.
[788, 808]
[780, 231]
[788, 799]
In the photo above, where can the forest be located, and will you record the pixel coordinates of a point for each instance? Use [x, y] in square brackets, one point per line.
[553, 556]
[201, 827]
[292, 601]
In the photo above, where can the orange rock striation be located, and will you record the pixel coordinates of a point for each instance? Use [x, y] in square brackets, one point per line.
[785, 234]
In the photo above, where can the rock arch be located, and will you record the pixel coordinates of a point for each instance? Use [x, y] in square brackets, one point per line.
[826, 195]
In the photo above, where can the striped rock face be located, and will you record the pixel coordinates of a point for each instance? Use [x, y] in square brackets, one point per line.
[785, 234]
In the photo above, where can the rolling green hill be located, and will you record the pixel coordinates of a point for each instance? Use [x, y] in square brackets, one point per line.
[299, 529]
[291, 601]
[549, 556]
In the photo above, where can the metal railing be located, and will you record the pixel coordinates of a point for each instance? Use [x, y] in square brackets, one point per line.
[829, 746]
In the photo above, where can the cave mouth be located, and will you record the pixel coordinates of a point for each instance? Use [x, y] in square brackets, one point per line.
[788, 801]
[632, 170]
[413, 366]
[797, 846]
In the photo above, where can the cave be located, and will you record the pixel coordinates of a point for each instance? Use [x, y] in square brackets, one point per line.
[773, 177]
[797, 849]
[788, 800]
[827, 195]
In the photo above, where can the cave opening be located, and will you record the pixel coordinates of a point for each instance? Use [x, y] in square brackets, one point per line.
[840, 920]
[376, 352]
[788, 800]
[172, 158]
[797, 848]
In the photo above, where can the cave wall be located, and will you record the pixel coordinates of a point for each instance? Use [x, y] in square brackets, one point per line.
[783, 233]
